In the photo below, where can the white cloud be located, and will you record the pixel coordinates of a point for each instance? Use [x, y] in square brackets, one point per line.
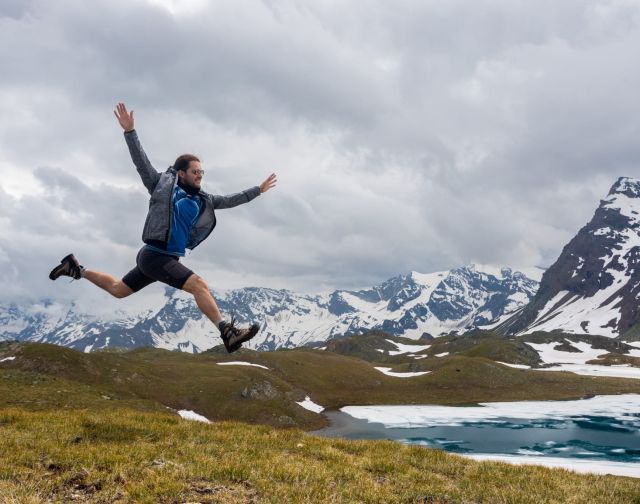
[406, 136]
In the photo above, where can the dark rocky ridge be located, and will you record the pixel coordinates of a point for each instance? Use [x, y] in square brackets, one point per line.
[587, 263]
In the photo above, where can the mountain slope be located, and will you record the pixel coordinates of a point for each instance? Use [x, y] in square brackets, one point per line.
[594, 286]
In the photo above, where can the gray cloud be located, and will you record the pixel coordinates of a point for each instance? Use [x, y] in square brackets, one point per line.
[412, 135]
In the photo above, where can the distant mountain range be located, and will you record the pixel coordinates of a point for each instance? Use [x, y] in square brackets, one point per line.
[413, 305]
[593, 289]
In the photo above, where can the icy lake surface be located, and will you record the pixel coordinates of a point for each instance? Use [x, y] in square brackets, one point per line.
[600, 435]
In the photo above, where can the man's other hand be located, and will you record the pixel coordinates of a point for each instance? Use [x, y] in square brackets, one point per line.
[124, 118]
[269, 183]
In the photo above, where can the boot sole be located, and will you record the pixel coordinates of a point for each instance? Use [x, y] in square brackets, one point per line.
[53, 271]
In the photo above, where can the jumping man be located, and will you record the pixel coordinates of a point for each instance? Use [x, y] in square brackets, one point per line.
[180, 217]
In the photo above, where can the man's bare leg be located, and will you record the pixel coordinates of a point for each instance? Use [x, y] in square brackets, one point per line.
[233, 337]
[112, 285]
[196, 286]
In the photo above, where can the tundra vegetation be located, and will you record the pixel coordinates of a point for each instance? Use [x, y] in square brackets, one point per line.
[103, 427]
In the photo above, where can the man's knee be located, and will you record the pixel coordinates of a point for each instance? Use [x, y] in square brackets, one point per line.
[195, 284]
[121, 290]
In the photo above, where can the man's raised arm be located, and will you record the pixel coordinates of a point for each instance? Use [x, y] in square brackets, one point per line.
[147, 172]
[232, 200]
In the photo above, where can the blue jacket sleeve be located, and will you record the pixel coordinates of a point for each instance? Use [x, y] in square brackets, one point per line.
[147, 172]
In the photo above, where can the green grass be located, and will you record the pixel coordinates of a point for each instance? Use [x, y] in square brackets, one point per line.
[128, 456]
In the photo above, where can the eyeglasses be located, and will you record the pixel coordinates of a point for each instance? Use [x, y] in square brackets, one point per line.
[197, 172]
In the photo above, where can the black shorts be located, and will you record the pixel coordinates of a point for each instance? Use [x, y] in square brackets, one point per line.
[154, 266]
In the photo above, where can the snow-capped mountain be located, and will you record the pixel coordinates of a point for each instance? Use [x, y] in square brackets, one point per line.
[408, 305]
[594, 286]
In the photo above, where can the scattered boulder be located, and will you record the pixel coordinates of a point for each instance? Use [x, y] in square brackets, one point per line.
[286, 421]
[260, 390]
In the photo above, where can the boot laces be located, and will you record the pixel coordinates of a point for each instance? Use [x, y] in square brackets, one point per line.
[230, 328]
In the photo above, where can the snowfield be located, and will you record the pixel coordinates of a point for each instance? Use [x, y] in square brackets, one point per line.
[623, 407]
[628, 469]
[550, 356]
[620, 371]
[576, 362]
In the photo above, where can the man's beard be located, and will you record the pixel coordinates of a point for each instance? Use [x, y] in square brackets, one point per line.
[188, 188]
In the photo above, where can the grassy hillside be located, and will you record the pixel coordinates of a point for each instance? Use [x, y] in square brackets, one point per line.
[152, 379]
[374, 347]
[127, 456]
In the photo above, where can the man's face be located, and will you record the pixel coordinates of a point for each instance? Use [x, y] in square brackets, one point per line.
[192, 176]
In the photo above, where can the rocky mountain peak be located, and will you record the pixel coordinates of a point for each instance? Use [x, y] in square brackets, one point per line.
[594, 285]
[627, 186]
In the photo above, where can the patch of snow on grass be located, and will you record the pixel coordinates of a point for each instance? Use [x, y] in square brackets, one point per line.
[596, 370]
[517, 366]
[551, 356]
[402, 349]
[192, 415]
[310, 405]
[388, 372]
[442, 354]
[241, 363]
[7, 359]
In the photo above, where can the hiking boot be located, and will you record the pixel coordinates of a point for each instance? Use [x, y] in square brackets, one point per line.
[233, 337]
[69, 266]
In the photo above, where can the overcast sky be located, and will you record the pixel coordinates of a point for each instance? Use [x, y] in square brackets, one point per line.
[407, 135]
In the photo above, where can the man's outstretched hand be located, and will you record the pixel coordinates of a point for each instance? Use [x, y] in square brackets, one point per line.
[269, 183]
[124, 118]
